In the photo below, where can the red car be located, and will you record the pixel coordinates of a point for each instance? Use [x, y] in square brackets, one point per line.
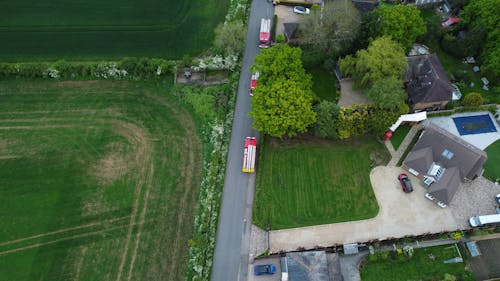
[405, 183]
[450, 22]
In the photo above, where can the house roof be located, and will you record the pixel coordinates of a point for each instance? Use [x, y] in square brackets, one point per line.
[466, 157]
[307, 266]
[447, 186]
[426, 80]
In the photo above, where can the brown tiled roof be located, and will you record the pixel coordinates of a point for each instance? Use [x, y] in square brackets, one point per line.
[447, 186]
[426, 80]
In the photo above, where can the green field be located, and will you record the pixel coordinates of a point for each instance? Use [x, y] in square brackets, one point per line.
[40, 30]
[491, 167]
[306, 182]
[99, 181]
[426, 264]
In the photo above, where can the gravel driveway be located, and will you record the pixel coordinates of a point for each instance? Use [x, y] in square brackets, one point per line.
[400, 215]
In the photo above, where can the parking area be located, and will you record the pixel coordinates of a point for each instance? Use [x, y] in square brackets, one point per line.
[400, 214]
[473, 199]
[275, 277]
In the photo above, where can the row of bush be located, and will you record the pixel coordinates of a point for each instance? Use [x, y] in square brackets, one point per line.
[358, 120]
[127, 67]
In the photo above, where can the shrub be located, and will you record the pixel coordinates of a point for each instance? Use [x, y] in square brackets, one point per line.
[280, 38]
[473, 100]
[327, 118]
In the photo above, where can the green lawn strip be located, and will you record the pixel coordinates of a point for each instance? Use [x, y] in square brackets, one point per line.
[113, 29]
[324, 84]
[302, 184]
[410, 147]
[399, 135]
[491, 167]
[61, 218]
[425, 264]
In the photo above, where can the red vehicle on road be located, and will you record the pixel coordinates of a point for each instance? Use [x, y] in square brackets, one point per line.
[249, 155]
[253, 82]
[265, 33]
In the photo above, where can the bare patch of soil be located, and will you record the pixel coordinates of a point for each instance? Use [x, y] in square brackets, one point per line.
[111, 167]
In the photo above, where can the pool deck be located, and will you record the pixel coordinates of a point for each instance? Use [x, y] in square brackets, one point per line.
[481, 141]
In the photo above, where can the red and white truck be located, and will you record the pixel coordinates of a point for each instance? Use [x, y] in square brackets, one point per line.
[265, 33]
[253, 82]
[249, 155]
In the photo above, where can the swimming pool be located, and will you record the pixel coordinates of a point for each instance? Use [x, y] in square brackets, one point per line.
[478, 124]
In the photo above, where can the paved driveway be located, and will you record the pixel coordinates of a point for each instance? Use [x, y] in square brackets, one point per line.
[285, 15]
[399, 215]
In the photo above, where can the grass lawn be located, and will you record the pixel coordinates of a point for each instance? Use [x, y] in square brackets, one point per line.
[324, 84]
[304, 182]
[91, 186]
[91, 30]
[491, 167]
[426, 264]
[399, 135]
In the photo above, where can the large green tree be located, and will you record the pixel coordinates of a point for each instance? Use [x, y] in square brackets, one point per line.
[331, 31]
[282, 101]
[230, 38]
[387, 92]
[484, 15]
[403, 23]
[327, 113]
[383, 59]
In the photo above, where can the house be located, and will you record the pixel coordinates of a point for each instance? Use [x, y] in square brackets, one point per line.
[427, 84]
[443, 161]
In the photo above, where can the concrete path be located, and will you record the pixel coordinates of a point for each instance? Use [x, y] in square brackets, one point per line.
[233, 232]
[400, 214]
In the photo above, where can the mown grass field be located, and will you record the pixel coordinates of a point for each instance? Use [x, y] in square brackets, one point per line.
[99, 181]
[491, 167]
[312, 182]
[426, 264]
[89, 30]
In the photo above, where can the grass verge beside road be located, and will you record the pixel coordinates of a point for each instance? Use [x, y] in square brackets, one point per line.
[305, 181]
[425, 264]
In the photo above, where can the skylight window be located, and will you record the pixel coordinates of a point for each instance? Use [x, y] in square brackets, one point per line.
[447, 154]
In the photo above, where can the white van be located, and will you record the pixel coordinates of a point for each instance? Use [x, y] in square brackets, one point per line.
[484, 220]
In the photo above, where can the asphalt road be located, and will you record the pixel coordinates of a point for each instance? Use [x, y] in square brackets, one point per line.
[233, 233]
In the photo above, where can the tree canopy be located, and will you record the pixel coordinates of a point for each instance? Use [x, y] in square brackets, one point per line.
[387, 92]
[331, 31]
[402, 23]
[282, 101]
[383, 59]
[230, 38]
[483, 15]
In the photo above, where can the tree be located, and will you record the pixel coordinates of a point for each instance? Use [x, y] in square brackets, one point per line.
[483, 15]
[330, 32]
[230, 38]
[327, 113]
[473, 100]
[384, 58]
[381, 118]
[403, 23]
[282, 101]
[387, 92]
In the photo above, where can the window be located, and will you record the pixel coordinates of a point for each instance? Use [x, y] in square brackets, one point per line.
[447, 154]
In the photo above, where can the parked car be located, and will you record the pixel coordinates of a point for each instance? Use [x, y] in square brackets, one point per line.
[405, 183]
[301, 10]
[264, 269]
[449, 22]
[497, 198]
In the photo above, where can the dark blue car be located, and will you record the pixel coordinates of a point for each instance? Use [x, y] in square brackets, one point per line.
[264, 269]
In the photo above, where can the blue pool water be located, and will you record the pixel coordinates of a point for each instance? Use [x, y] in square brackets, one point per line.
[479, 124]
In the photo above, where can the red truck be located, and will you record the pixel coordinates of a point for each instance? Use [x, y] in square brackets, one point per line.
[249, 155]
[265, 33]
[253, 82]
